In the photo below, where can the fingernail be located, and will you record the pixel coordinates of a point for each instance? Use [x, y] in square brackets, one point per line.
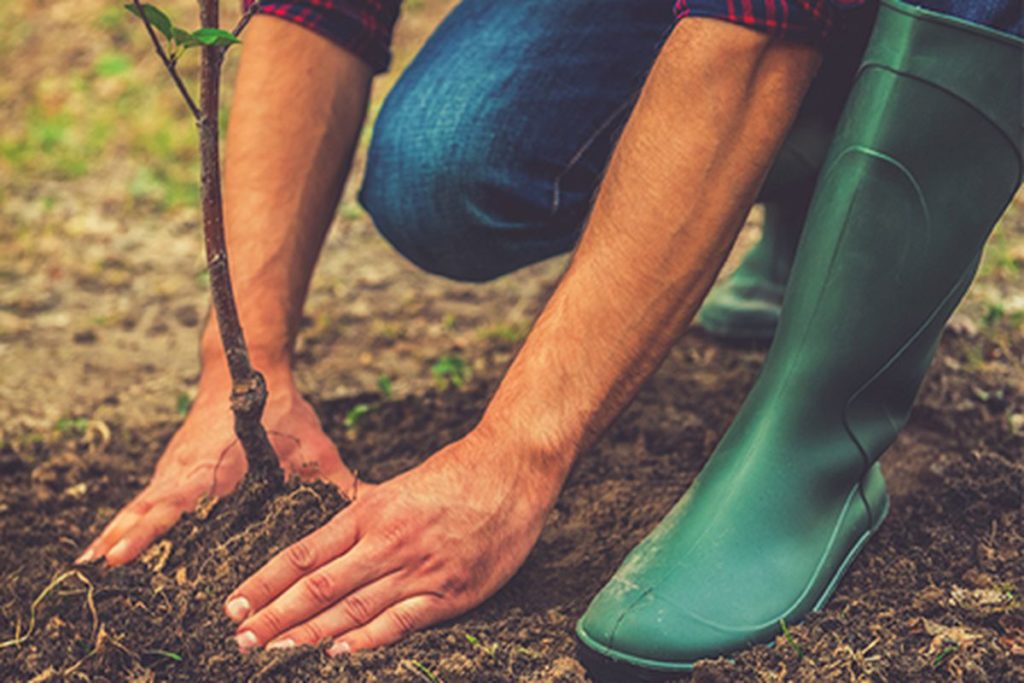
[339, 649]
[285, 644]
[120, 548]
[86, 557]
[246, 640]
[237, 609]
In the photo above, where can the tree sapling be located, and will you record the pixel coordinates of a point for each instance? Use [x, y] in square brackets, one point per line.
[248, 388]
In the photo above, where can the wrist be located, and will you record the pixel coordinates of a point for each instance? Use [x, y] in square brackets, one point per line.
[215, 376]
[271, 359]
[540, 463]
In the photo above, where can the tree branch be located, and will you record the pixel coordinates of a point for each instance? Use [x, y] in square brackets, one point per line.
[171, 69]
[250, 12]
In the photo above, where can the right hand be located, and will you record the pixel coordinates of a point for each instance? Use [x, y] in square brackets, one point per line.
[205, 458]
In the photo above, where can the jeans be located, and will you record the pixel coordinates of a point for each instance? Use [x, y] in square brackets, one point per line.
[1005, 15]
[488, 151]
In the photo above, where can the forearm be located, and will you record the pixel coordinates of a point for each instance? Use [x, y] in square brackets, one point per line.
[687, 169]
[298, 107]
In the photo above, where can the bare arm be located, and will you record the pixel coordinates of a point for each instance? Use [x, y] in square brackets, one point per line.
[298, 107]
[439, 539]
[684, 175]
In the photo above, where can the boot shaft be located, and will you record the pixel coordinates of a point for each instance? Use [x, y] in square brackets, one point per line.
[925, 160]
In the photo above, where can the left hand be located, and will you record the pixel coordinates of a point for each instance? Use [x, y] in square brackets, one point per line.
[423, 547]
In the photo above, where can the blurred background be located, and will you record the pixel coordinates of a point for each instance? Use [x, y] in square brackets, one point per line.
[102, 280]
[102, 274]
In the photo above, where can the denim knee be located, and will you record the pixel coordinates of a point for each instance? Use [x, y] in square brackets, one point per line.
[449, 188]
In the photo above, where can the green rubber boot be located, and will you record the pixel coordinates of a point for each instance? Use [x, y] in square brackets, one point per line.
[926, 158]
[747, 304]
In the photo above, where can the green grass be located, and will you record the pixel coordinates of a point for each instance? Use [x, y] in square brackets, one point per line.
[450, 371]
[93, 100]
[941, 657]
[356, 414]
[422, 671]
[790, 639]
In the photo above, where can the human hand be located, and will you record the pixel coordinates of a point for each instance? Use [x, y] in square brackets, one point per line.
[423, 547]
[205, 458]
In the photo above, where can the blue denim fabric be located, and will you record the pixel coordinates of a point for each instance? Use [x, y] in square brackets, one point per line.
[1005, 15]
[487, 151]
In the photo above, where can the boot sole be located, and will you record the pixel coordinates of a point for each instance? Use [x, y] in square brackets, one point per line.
[608, 665]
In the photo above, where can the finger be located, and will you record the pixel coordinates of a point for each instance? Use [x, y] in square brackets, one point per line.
[352, 611]
[311, 595]
[393, 624]
[323, 545]
[115, 529]
[151, 526]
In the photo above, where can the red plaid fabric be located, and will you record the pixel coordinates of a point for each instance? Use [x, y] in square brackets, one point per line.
[364, 27]
[801, 20]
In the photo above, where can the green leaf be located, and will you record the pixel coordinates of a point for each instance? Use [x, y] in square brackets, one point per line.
[790, 639]
[165, 653]
[384, 384]
[160, 21]
[450, 371]
[183, 38]
[183, 403]
[426, 673]
[67, 425]
[215, 36]
[357, 413]
[941, 657]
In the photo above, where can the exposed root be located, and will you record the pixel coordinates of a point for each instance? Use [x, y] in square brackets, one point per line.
[20, 638]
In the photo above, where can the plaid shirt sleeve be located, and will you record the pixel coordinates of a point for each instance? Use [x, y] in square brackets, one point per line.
[809, 21]
[363, 27]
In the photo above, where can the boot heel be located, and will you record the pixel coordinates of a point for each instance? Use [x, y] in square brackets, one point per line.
[876, 503]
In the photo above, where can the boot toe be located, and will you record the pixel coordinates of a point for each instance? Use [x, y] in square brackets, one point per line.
[642, 628]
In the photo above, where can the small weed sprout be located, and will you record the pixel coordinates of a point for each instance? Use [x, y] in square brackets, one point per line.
[68, 426]
[790, 639]
[422, 671]
[356, 413]
[450, 371]
[486, 649]
[165, 653]
[943, 655]
[182, 404]
[385, 387]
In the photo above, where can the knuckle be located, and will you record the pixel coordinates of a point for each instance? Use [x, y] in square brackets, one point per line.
[404, 621]
[312, 633]
[272, 621]
[393, 535]
[357, 609]
[320, 588]
[257, 590]
[301, 555]
[455, 583]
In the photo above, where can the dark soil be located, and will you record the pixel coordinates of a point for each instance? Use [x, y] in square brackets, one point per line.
[935, 596]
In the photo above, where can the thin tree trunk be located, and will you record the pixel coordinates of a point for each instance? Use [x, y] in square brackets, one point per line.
[248, 388]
